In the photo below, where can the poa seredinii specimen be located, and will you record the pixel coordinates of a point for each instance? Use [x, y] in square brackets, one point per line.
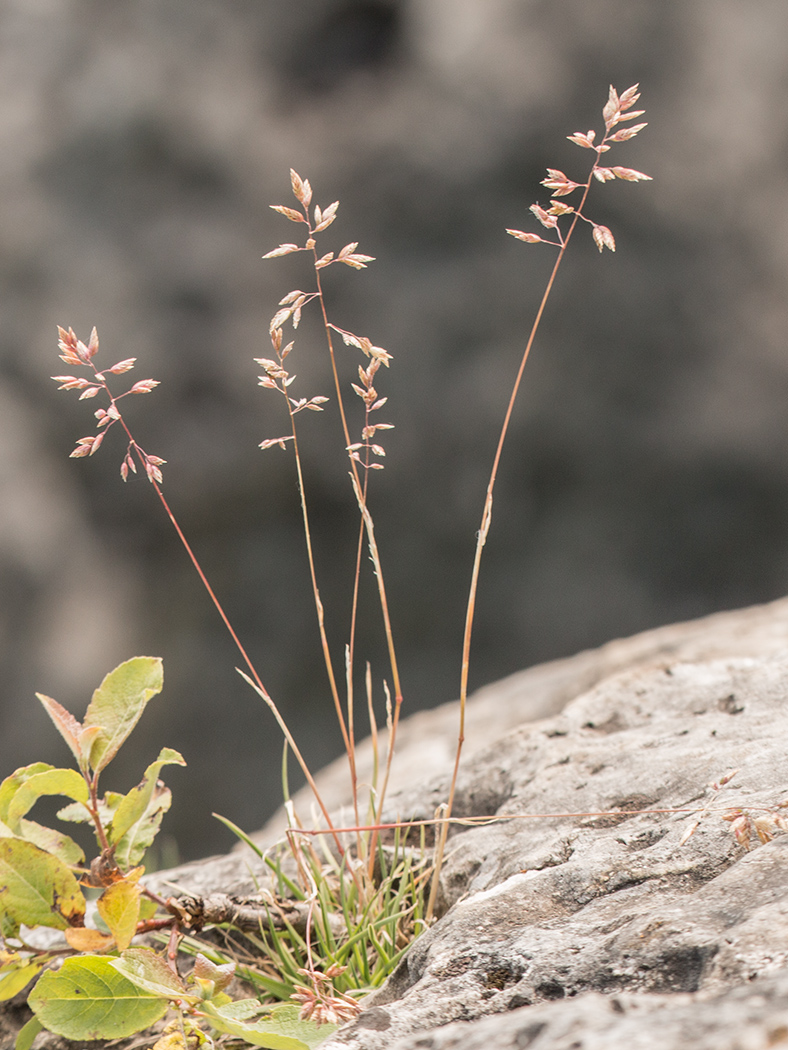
[342, 904]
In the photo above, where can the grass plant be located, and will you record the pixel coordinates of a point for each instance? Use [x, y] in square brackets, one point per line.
[342, 903]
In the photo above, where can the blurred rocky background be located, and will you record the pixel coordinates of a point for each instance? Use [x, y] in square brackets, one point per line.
[646, 475]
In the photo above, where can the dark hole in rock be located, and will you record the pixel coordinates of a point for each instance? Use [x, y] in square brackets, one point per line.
[499, 977]
[526, 1036]
[614, 724]
[681, 970]
[516, 1002]
[551, 990]
[729, 705]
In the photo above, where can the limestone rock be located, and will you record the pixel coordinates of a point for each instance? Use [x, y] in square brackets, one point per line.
[585, 915]
[553, 908]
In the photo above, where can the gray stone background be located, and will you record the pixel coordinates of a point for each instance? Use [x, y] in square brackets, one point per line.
[645, 477]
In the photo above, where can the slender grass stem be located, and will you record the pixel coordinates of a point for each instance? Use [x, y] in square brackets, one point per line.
[481, 539]
[360, 492]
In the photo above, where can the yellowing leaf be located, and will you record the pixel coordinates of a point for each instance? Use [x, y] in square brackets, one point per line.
[147, 908]
[76, 813]
[83, 939]
[88, 999]
[17, 976]
[119, 907]
[171, 1041]
[117, 704]
[63, 847]
[36, 888]
[12, 783]
[50, 782]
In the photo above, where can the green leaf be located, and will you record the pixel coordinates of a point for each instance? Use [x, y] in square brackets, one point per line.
[285, 1017]
[16, 976]
[119, 907]
[55, 842]
[88, 999]
[50, 782]
[242, 1009]
[131, 848]
[27, 1033]
[36, 888]
[148, 908]
[279, 1030]
[133, 806]
[219, 976]
[11, 785]
[75, 813]
[147, 970]
[117, 704]
[9, 926]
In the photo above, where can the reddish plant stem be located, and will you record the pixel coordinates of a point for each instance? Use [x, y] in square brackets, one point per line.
[262, 691]
[482, 539]
[172, 947]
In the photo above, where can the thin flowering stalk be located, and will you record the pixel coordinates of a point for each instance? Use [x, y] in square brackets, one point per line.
[613, 113]
[291, 307]
[370, 448]
[278, 378]
[361, 497]
[75, 352]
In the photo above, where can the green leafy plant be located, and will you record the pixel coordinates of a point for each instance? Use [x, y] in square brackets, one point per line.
[342, 903]
[104, 988]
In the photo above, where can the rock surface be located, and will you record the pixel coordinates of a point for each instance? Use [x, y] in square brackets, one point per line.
[565, 925]
[574, 930]
[573, 904]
